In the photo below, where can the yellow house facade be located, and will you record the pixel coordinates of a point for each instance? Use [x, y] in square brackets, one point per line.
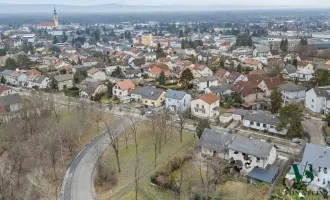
[154, 101]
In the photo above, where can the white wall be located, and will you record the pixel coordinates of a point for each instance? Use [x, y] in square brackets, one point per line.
[312, 102]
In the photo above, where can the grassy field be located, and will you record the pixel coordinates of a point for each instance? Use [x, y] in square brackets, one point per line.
[125, 187]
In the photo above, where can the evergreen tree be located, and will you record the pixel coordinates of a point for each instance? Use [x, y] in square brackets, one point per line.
[64, 37]
[276, 100]
[79, 61]
[55, 40]
[239, 68]
[118, 73]
[295, 62]
[2, 52]
[290, 117]
[222, 64]
[162, 78]
[186, 77]
[3, 80]
[159, 51]
[181, 34]
[10, 64]
[249, 42]
[202, 124]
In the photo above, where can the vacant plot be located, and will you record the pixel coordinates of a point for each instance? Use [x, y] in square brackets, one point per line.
[170, 149]
[233, 190]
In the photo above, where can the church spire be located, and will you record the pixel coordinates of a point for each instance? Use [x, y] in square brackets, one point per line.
[54, 10]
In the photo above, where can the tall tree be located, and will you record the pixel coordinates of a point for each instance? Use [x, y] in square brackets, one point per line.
[118, 73]
[55, 40]
[162, 78]
[113, 130]
[202, 124]
[186, 77]
[3, 80]
[321, 78]
[290, 117]
[64, 37]
[276, 100]
[295, 62]
[10, 63]
[159, 51]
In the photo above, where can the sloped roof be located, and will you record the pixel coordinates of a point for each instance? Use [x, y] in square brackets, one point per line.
[252, 147]
[254, 78]
[63, 77]
[233, 76]
[209, 98]
[149, 92]
[322, 92]
[207, 78]
[251, 61]
[200, 67]
[10, 100]
[7, 72]
[174, 94]
[244, 88]
[264, 49]
[272, 82]
[125, 84]
[266, 175]
[93, 71]
[221, 73]
[291, 87]
[302, 63]
[262, 117]
[215, 140]
[290, 68]
[220, 88]
[161, 66]
[316, 155]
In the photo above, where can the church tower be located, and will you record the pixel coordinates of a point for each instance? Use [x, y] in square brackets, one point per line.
[55, 18]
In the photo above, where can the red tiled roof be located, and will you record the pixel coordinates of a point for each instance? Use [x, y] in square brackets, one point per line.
[245, 88]
[272, 82]
[47, 24]
[199, 67]
[259, 71]
[302, 63]
[126, 84]
[33, 72]
[162, 66]
[165, 59]
[209, 98]
[221, 73]
[254, 78]
[156, 71]
[251, 62]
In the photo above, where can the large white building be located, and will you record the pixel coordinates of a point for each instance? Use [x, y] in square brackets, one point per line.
[318, 99]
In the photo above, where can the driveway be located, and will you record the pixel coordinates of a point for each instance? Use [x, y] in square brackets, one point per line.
[314, 128]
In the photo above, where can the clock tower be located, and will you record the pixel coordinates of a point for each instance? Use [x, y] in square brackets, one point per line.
[55, 17]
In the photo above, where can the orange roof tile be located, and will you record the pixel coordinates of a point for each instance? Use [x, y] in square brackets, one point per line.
[209, 98]
[125, 84]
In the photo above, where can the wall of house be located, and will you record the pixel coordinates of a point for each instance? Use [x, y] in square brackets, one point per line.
[202, 85]
[262, 126]
[225, 119]
[237, 117]
[136, 97]
[312, 102]
[296, 95]
[252, 97]
[304, 77]
[154, 103]
[98, 76]
[206, 72]
[211, 153]
[183, 104]
[204, 110]
[272, 157]
[118, 92]
[67, 83]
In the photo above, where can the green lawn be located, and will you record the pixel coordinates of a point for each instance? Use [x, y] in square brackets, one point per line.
[125, 187]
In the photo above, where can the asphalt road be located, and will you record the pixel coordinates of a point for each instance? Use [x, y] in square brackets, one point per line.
[314, 128]
[78, 181]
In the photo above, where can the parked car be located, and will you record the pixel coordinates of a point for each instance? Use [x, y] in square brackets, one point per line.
[307, 116]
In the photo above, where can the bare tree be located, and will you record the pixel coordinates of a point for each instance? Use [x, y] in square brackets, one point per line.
[82, 111]
[133, 127]
[52, 150]
[181, 122]
[97, 115]
[126, 135]
[113, 131]
[155, 132]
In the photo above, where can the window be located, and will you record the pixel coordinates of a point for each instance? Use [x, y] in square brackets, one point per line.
[258, 124]
[264, 125]
[168, 100]
[235, 152]
[197, 105]
[145, 101]
[120, 93]
[258, 160]
[312, 100]
[196, 109]
[251, 123]
[202, 106]
[115, 92]
[271, 126]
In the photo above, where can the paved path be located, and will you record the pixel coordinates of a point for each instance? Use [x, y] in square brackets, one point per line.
[314, 128]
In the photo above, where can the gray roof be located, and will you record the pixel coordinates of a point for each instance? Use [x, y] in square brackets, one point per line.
[290, 87]
[264, 49]
[252, 147]
[10, 100]
[174, 94]
[322, 92]
[215, 140]
[266, 175]
[221, 88]
[63, 77]
[262, 118]
[149, 92]
[241, 112]
[7, 72]
[39, 79]
[290, 68]
[207, 78]
[318, 156]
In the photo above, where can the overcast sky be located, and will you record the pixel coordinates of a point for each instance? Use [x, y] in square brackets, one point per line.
[176, 2]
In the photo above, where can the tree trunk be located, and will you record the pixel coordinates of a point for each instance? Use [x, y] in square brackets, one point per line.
[155, 154]
[126, 142]
[117, 157]
[181, 130]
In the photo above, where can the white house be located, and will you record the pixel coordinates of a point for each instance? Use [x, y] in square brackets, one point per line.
[304, 65]
[261, 51]
[123, 88]
[177, 100]
[96, 74]
[7, 74]
[292, 93]
[206, 81]
[261, 121]
[318, 100]
[202, 70]
[304, 75]
[40, 82]
[251, 153]
[289, 72]
[150, 57]
[29, 38]
[206, 106]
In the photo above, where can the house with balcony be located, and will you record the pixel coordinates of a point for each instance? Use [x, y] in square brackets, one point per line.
[206, 81]
[263, 122]
[177, 100]
[318, 100]
[292, 93]
[206, 106]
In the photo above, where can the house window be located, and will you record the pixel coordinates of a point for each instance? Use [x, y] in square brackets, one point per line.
[202, 106]
[258, 124]
[258, 160]
[168, 100]
[235, 152]
[120, 93]
[197, 105]
[264, 125]
[251, 123]
[271, 126]
[196, 109]
[145, 101]
[312, 100]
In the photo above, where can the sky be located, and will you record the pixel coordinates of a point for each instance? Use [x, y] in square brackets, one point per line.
[175, 2]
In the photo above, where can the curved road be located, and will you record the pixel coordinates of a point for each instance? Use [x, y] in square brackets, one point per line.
[78, 182]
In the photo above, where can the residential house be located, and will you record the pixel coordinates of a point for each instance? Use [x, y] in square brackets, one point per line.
[149, 96]
[304, 75]
[220, 90]
[205, 82]
[40, 82]
[251, 153]
[289, 72]
[318, 100]
[251, 64]
[20, 77]
[90, 87]
[255, 79]
[177, 100]
[273, 54]
[63, 81]
[206, 106]
[133, 73]
[9, 78]
[204, 57]
[9, 104]
[239, 114]
[292, 93]
[316, 158]
[214, 143]
[250, 93]
[150, 57]
[268, 84]
[89, 61]
[262, 121]
[96, 74]
[261, 51]
[5, 90]
[123, 88]
[156, 68]
[222, 73]
[304, 65]
[234, 77]
[225, 46]
[201, 70]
